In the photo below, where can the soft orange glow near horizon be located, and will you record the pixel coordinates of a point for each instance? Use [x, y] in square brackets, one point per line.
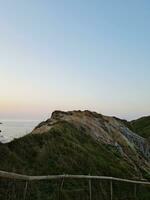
[83, 57]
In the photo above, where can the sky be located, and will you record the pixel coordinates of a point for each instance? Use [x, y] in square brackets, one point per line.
[74, 55]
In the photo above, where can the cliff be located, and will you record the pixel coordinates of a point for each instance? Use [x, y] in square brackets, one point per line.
[108, 130]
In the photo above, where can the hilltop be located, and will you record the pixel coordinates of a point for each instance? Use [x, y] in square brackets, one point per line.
[107, 130]
[79, 142]
[97, 136]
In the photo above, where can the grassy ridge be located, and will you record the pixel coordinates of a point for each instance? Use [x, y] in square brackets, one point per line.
[142, 126]
[64, 150]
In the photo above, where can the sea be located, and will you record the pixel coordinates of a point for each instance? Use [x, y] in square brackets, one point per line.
[11, 129]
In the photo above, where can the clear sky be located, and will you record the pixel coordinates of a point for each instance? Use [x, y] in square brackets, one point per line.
[74, 54]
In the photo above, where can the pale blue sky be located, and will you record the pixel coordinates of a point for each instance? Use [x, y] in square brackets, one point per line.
[74, 54]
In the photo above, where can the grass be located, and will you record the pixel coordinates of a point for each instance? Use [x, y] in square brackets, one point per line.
[63, 150]
[142, 126]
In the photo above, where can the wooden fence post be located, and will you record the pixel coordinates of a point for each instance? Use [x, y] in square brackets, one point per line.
[60, 188]
[135, 191]
[90, 190]
[25, 190]
[111, 190]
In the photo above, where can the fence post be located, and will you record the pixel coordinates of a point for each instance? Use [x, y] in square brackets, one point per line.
[60, 188]
[135, 191]
[90, 189]
[25, 190]
[111, 190]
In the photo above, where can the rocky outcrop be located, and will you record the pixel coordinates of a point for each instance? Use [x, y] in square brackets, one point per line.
[108, 130]
[139, 142]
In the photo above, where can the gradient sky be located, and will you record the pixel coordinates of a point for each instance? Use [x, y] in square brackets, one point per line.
[74, 54]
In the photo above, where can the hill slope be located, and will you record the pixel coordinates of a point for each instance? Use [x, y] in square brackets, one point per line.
[78, 143]
[142, 126]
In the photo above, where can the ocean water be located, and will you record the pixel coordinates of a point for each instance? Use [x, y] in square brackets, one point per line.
[11, 129]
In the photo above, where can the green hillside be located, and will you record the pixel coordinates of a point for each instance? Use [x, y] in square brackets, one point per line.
[142, 126]
[64, 149]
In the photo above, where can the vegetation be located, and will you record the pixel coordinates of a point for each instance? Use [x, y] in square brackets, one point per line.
[142, 126]
[64, 150]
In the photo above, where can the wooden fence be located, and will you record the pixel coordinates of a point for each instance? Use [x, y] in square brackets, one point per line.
[10, 175]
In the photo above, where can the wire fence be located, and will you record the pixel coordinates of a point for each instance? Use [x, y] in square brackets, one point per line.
[71, 187]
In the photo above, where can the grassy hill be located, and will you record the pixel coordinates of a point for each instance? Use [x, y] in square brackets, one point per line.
[142, 126]
[67, 149]
[63, 149]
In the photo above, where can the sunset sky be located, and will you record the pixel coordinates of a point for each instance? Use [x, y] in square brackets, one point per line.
[74, 54]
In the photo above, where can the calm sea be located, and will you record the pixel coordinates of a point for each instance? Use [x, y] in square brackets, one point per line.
[11, 129]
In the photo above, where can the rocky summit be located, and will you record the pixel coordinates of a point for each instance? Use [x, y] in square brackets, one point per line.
[107, 130]
[79, 142]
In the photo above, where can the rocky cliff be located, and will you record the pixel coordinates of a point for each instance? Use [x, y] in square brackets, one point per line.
[108, 130]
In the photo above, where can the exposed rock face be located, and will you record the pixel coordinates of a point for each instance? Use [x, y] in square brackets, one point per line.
[140, 143]
[108, 130]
